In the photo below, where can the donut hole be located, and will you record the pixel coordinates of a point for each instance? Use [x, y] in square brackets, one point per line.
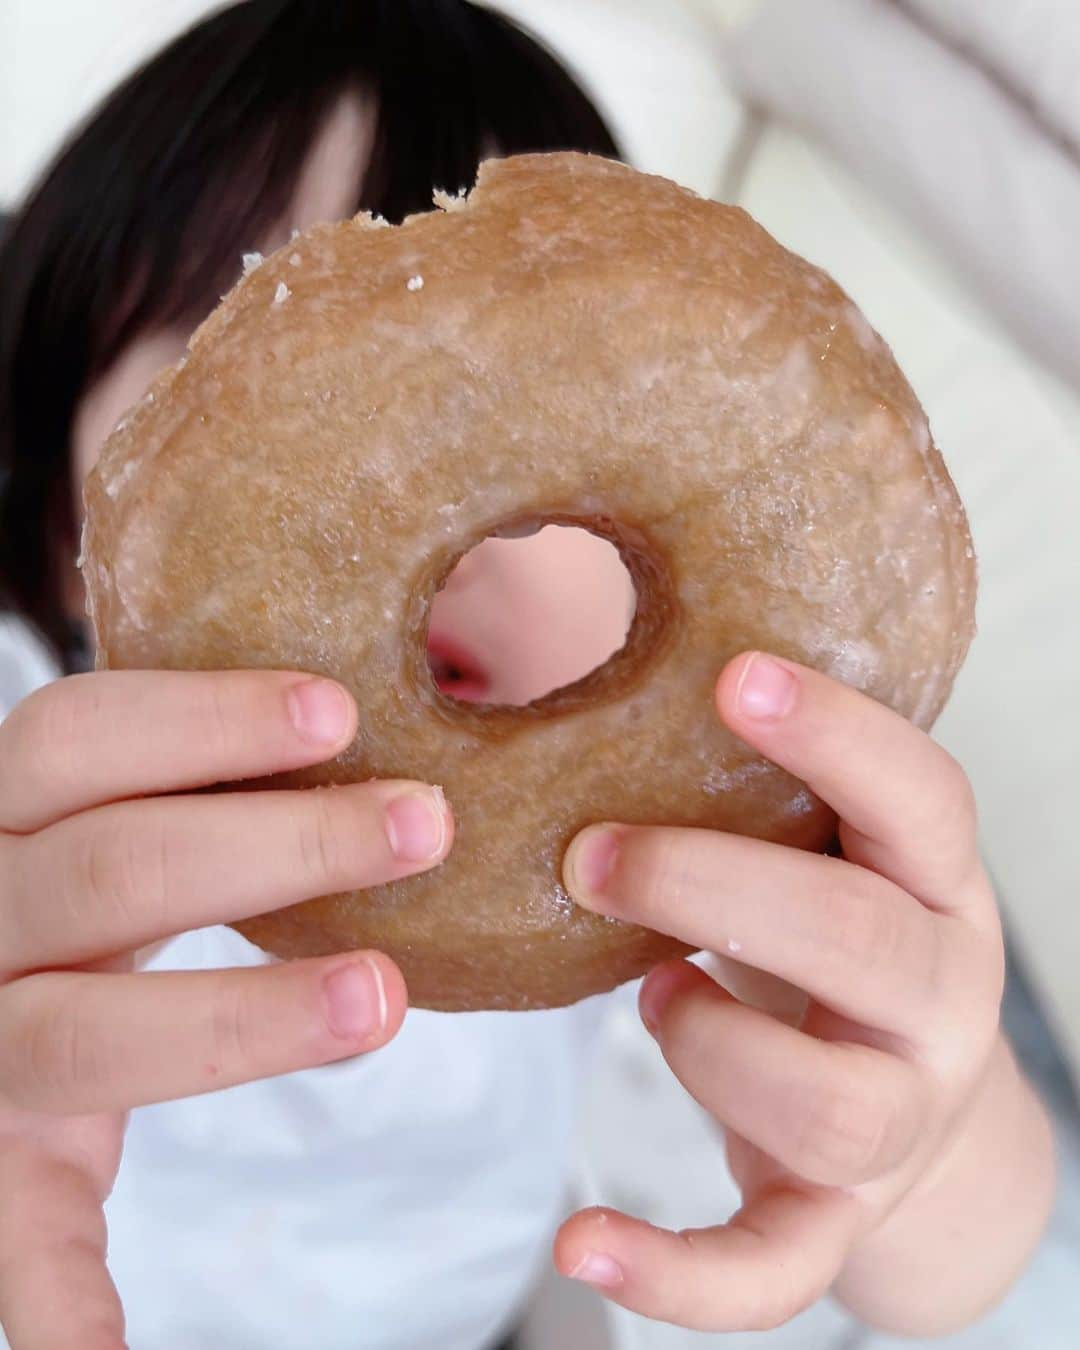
[530, 610]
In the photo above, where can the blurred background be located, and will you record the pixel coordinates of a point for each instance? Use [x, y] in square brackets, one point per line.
[927, 154]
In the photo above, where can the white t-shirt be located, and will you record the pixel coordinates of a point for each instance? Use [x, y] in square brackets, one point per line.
[405, 1201]
[399, 1202]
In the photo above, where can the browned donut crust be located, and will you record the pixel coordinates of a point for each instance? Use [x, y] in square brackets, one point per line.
[575, 342]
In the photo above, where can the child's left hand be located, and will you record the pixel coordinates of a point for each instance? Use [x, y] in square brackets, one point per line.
[860, 1138]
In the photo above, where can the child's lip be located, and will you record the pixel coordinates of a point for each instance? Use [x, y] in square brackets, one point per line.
[457, 672]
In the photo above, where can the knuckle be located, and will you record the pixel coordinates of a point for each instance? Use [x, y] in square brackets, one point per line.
[92, 872]
[53, 1050]
[842, 1135]
[878, 934]
[233, 1028]
[216, 715]
[43, 734]
[318, 841]
[120, 872]
[866, 930]
[657, 870]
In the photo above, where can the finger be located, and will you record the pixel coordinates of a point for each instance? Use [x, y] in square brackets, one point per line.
[76, 1044]
[906, 806]
[849, 937]
[778, 1255]
[72, 744]
[834, 1114]
[55, 1290]
[125, 875]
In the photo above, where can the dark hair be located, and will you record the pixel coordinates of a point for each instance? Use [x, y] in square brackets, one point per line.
[141, 220]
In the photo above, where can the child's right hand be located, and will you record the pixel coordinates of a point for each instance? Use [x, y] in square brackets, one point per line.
[101, 853]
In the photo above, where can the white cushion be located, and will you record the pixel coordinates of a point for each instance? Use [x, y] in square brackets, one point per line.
[1031, 46]
[942, 140]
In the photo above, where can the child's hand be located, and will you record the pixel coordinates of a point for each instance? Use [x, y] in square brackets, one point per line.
[844, 1133]
[93, 866]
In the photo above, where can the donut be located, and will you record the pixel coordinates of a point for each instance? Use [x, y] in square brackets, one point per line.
[575, 343]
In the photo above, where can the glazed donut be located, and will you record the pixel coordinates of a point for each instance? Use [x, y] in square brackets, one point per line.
[572, 343]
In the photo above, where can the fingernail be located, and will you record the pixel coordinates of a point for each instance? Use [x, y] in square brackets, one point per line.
[655, 993]
[599, 1269]
[590, 861]
[766, 690]
[355, 999]
[320, 711]
[416, 826]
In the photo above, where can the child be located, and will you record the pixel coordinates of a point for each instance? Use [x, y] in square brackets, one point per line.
[400, 1199]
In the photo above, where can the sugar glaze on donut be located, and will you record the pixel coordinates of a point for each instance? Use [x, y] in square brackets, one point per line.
[573, 343]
